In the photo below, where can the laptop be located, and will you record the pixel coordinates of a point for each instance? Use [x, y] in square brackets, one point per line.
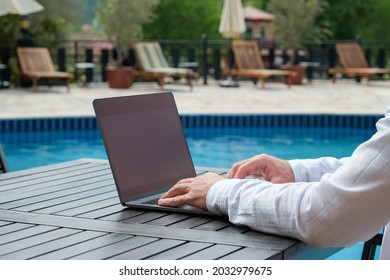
[146, 148]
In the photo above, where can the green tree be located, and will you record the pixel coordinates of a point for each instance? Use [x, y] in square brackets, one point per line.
[8, 30]
[56, 22]
[365, 18]
[294, 23]
[122, 21]
[376, 25]
[68, 11]
[50, 31]
[185, 19]
[261, 4]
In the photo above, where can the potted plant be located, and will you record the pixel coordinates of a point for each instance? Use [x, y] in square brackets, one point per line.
[122, 21]
[294, 23]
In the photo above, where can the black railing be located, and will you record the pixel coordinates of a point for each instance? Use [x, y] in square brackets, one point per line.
[209, 56]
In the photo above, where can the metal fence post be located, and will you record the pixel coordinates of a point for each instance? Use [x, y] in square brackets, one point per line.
[191, 55]
[381, 58]
[75, 57]
[89, 59]
[271, 58]
[205, 64]
[5, 74]
[61, 59]
[176, 57]
[217, 64]
[104, 58]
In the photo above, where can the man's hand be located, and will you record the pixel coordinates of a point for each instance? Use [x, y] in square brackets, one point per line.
[191, 191]
[270, 168]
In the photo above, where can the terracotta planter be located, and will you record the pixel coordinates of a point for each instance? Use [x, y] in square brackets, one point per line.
[299, 73]
[119, 77]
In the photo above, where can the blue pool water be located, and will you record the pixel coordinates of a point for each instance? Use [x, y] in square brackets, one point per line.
[224, 147]
[219, 147]
[216, 147]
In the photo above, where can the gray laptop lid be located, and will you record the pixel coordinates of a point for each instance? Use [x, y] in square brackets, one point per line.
[145, 143]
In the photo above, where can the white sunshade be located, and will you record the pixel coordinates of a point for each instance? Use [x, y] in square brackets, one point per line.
[19, 7]
[232, 20]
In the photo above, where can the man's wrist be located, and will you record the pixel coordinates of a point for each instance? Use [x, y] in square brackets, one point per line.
[217, 196]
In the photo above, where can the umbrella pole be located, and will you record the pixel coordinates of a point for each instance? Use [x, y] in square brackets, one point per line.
[229, 81]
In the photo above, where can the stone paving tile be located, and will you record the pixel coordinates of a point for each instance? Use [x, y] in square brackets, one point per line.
[345, 97]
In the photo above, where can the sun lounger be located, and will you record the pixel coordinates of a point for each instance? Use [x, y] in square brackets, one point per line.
[36, 64]
[353, 63]
[249, 64]
[151, 64]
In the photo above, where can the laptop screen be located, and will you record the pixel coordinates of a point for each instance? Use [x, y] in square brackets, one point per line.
[144, 141]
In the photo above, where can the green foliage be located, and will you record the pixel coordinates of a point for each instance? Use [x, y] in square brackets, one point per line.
[185, 19]
[294, 22]
[69, 11]
[8, 30]
[367, 19]
[261, 4]
[189, 19]
[378, 22]
[49, 26]
[122, 21]
[50, 31]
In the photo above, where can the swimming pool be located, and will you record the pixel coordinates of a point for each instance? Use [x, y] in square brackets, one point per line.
[209, 147]
[216, 141]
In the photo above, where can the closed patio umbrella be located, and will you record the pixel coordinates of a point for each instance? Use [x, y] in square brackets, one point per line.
[19, 7]
[232, 25]
[232, 22]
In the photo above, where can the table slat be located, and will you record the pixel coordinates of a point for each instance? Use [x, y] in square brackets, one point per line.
[258, 241]
[39, 202]
[91, 240]
[149, 250]
[109, 251]
[12, 227]
[214, 252]
[27, 247]
[254, 254]
[181, 251]
[45, 177]
[77, 185]
[24, 233]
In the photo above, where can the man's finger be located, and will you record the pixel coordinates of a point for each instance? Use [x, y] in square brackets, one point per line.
[173, 201]
[232, 172]
[177, 190]
[243, 171]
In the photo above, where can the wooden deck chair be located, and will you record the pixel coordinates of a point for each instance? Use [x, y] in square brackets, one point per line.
[151, 64]
[36, 64]
[353, 63]
[3, 162]
[249, 64]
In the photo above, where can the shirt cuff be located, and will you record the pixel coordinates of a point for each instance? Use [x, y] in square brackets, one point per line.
[298, 171]
[217, 197]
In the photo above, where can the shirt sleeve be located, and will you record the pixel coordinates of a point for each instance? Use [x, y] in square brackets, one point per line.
[311, 170]
[340, 209]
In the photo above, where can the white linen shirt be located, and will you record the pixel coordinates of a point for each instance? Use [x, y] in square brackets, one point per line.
[333, 202]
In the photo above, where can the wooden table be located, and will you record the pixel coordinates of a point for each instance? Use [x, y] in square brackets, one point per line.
[71, 211]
